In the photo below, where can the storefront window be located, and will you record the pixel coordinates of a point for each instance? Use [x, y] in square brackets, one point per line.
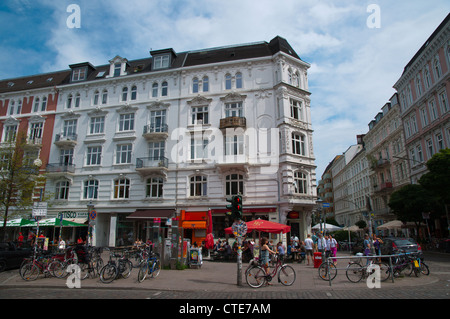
[125, 231]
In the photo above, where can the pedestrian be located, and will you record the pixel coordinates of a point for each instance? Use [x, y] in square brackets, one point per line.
[314, 239]
[366, 245]
[309, 246]
[20, 240]
[265, 257]
[321, 244]
[281, 251]
[328, 246]
[377, 245]
[333, 247]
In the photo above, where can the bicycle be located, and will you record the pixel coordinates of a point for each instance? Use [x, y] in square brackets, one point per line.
[355, 271]
[327, 270]
[419, 267]
[113, 270]
[151, 266]
[32, 268]
[256, 276]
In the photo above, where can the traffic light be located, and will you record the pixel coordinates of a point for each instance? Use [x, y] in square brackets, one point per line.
[234, 210]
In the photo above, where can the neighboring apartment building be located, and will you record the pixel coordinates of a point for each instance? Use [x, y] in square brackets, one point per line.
[424, 90]
[174, 135]
[386, 154]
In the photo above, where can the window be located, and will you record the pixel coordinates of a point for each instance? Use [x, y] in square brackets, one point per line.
[200, 115]
[439, 142]
[155, 90]
[11, 107]
[10, 133]
[66, 157]
[96, 97]
[77, 100]
[427, 77]
[238, 80]
[205, 84]
[156, 150]
[36, 105]
[154, 187]
[234, 184]
[164, 89]
[62, 190]
[36, 132]
[430, 148]
[104, 97]
[161, 62]
[69, 101]
[234, 109]
[296, 110]
[298, 144]
[424, 116]
[124, 93]
[19, 106]
[79, 74]
[44, 104]
[123, 154]
[199, 148]
[433, 111]
[158, 121]
[234, 145]
[70, 128]
[90, 190]
[443, 102]
[418, 85]
[437, 68]
[122, 188]
[228, 82]
[133, 93]
[195, 85]
[97, 125]
[117, 67]
[94, 155]
[126, 122]
[198, 185]
[300, 183]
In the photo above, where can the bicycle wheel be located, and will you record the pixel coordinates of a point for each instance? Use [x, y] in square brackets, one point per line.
[255, 277]
[286, 275]
[424, 270]
[143, 271]
[324, 269]
[127, 267]
[156, 268]
[29, 271]
[354, 272]
[57, 268]
[385, 271]
[108, 273]
[84, 270]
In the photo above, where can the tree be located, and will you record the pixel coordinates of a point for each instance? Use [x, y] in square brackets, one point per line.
[409, 202]
[438, 177]
[17, 178]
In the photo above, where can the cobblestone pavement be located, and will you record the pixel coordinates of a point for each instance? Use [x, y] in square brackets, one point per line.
[216, 280]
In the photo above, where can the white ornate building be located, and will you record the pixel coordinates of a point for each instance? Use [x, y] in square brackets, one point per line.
[175, 134]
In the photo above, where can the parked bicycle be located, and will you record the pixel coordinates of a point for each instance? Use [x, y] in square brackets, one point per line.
[327, 270]
[40, 264]
[256, 276]
[356, 271]
[149, 267]
[112, 270]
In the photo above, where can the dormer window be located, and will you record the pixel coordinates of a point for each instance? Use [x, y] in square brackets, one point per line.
[161, 62]
[79, 74]
[117, 66]
[81, 71]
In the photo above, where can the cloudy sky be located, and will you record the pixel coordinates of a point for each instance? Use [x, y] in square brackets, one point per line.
[355, 57]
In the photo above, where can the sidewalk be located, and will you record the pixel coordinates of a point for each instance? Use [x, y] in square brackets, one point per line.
[216, 277]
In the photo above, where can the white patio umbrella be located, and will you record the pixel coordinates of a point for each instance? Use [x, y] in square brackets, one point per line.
[394, 224]
[352, 228]
[327, 227]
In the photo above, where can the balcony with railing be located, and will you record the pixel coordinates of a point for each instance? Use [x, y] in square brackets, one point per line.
[233, 122]
[383, 187]
[58, 169]
[148, 165]
[66, 139]
[154, 132]
[34, 142]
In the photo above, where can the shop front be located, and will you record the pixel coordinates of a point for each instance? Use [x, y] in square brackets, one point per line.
[194, 225]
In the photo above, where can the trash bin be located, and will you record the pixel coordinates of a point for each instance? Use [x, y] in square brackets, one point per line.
[317, 258]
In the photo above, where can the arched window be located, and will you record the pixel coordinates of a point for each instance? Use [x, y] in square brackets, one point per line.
[62, 190]
[124, 93]
[133, 92]
[300, 183]
[164, 89]
[122, 188]
[105, 96]
[198, 185]
[36, 105]
[205, 84]
[77, 100]
[228, 81]
[195, 85]
[155, 90]
[90, 190]
[44, 104]
[69, 101]
[96, 97]
[238, 80]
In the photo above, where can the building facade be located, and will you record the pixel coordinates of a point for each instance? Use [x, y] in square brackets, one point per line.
[162, 141]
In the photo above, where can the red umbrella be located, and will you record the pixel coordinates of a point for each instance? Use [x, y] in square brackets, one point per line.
[265, 226]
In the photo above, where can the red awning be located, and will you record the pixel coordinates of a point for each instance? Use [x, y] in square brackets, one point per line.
[194, 224]
[143, 214]
[265, 226]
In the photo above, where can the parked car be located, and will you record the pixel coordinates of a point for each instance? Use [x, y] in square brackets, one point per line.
[392, 244]
[12, 254]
